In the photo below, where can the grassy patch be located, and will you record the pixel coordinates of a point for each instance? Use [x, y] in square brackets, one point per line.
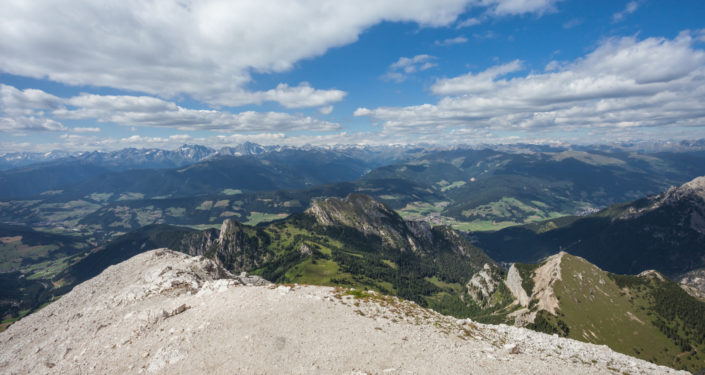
[454, 185]
[258, 217]
[312, 271]
[205, 206]
[176, 211]
[222, 203]
[597, 310]
[508, 211]
[130, 196]
[100, 197]
[451, 287]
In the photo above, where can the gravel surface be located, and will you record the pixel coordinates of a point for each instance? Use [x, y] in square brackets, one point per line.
[163, 312]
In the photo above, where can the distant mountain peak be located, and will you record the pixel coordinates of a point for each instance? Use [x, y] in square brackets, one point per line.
[692, 192]
[694, 186]
[353, 210]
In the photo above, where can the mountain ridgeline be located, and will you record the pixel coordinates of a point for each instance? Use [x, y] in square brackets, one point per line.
[352, 242]
[665, 232]
[647, 315]
[469, 189]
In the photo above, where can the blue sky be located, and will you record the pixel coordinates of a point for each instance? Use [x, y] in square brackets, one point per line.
[83, 75]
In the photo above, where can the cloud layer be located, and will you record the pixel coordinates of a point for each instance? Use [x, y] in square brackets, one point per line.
[206, 49]
[36, 110]
[623, 83]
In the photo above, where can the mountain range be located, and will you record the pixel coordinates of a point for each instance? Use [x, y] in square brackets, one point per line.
[404, 222]
[468, 189]
[665, 232]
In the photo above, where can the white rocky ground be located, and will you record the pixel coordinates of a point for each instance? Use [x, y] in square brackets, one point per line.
[165, 312]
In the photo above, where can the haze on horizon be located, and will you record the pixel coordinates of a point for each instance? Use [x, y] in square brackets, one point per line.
[81, 75]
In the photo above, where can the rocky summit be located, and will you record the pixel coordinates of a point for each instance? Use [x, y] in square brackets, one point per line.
[163, 312]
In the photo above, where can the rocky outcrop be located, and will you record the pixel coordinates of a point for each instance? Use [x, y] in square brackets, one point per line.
[692, 192]
[513, 283]
[693, 282]
[238, 247]
[545, 276]
[483, 284]
[372, 218]
[543, 297]
[163, 312]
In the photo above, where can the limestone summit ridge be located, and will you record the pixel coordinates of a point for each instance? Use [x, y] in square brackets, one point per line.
[165, 312]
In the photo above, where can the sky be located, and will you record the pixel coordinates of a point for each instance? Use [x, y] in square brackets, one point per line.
[87, 75]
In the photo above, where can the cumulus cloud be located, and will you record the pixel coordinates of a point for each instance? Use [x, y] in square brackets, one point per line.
[405, 66]
[36, 110]
[623, 84]
[479, 82]
[631, 7]
[206, 49]
[24, 110]
[149, 111]
[26, 101]
[19, 124]
[302, 95]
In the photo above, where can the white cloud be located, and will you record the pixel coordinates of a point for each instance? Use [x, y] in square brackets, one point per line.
[700, 35]
[24, 110]
[451, 41]
[326, 110]
[519, 7]
[85, 130]
[631, 7]
[476, 83]
[29, 123]
[623, 84]
[302, 96]
[149, 111]
[36, 110]
[501, 8]
[25, 101]
[472, 21]
[405, 66]
[206, 49]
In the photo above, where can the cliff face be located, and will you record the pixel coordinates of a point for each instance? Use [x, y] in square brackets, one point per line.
[238, 247]
[372, 217]
[163, 312]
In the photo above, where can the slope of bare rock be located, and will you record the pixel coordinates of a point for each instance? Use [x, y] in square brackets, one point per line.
[163, 312]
